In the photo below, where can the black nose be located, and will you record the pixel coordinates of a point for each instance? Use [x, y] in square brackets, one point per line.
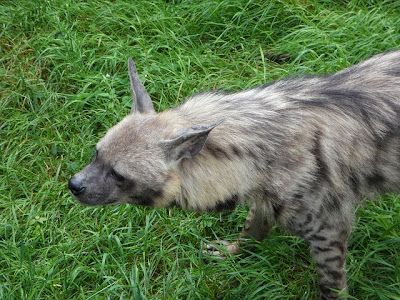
[75, 186]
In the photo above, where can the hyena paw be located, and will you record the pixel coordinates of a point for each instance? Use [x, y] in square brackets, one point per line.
[222, 249]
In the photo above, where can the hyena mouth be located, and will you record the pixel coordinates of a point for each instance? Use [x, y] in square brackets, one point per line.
[112, 201]
[88, 202]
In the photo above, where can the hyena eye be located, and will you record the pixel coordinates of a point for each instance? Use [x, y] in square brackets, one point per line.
[116, 176]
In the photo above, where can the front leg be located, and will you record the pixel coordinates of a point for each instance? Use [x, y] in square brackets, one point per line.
[328, 246]
[327, 233]
[256, 226]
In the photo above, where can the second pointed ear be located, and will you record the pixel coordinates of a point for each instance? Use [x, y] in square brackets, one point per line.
[141, 99]
[188, 142]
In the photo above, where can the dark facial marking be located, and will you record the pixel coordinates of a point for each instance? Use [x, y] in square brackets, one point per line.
[118, 177]
[146, 198]
[143, 200]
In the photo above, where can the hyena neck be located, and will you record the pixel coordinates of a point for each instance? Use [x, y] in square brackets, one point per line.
[225, 172]
[208, 191]
[236, 155]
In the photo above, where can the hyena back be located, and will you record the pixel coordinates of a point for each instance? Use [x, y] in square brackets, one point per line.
[302, 152]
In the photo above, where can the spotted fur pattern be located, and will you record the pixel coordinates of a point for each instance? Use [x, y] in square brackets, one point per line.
[303, 152]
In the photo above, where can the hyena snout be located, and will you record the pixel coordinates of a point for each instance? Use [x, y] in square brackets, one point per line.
[75, 185]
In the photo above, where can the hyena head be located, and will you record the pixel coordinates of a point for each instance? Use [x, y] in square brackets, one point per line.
[137, 160]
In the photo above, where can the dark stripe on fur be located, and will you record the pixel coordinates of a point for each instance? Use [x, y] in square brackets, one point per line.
[333, 203]
[228, 204]
[337, 245]
[277, 207]
[308, 219]
[145, 201]
[236, 151]
[335, 274]
[375, 179]
[327, 269]
[252, 154]
[354, 182]
[324, 288]
[322, 167]
[320, 212]
[298, 196]
[147, 197]
[303, 232]
[316, 237]
[322, 249]
[216, 151]
[352, 102]
[325, 226]
[334, 258]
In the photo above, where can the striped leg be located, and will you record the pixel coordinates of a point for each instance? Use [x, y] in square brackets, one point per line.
[328, 247]
[327, 235]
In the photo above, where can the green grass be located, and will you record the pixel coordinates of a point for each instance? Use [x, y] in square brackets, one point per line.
[64, 81]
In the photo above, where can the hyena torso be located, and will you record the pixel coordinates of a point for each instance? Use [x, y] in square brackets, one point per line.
[302, 152]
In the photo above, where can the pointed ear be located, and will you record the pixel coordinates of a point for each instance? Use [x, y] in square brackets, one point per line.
[141, 99]
[189, 142]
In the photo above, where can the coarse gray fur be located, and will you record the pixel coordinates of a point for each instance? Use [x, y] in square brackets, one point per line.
[303, 152]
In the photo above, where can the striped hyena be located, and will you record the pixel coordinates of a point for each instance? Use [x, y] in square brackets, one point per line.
[303, 152]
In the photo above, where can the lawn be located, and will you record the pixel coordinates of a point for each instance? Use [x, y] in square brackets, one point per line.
[64, 82]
